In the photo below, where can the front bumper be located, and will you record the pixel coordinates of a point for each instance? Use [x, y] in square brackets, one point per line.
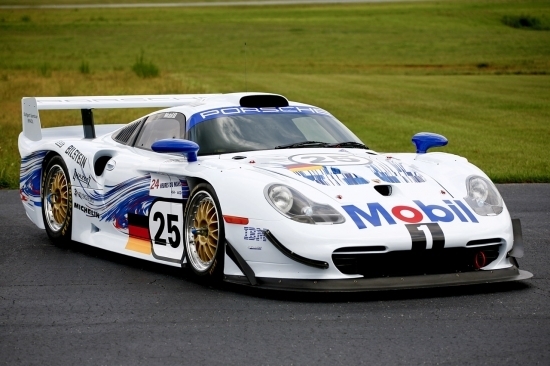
[387, 283]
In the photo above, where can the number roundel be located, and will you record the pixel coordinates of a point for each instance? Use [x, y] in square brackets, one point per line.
[174, 236]
[166, 230]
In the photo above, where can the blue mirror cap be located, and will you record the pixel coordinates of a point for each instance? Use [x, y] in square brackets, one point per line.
[427, 140]
[179, 146]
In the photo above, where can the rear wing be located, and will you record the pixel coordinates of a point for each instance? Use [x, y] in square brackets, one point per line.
[30, 106]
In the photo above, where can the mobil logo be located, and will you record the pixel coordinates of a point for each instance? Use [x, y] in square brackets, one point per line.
[375, 214]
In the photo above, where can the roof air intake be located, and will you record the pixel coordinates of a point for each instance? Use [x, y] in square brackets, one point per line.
[263, 100]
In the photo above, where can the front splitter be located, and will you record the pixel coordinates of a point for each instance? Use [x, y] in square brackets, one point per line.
[386, 283]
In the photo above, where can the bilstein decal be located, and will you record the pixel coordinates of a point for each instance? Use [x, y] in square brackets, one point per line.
[76, 155]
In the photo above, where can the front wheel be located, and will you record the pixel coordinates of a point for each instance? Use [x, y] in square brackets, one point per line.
[57, 201]
[204, 232]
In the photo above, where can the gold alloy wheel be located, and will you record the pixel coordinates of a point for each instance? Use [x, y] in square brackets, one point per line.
[202, 232]
[57, 198]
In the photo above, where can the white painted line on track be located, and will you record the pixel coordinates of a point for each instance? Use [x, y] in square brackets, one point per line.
[198, 4]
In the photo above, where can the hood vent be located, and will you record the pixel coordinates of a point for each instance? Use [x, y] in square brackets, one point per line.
[263, 100]
[383, 189]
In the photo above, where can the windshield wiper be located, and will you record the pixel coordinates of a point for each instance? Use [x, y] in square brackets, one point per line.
[302, 144]
[351, 144]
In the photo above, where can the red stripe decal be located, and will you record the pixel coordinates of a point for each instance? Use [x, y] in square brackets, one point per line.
[138, 232]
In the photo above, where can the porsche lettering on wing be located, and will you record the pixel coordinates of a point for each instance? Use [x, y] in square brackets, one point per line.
[375, 212]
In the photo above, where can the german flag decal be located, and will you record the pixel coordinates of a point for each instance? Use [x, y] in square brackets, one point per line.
[138, 234]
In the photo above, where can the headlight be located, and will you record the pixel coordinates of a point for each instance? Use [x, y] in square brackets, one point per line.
[483, 196]
[298, 207]
[281, 197]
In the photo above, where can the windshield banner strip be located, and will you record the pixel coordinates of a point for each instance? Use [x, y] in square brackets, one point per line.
[240, 111]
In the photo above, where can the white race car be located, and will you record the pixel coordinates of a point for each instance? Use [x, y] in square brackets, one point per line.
[252, 189]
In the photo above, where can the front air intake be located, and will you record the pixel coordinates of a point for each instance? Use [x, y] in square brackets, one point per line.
[415, 262]
[263, 100]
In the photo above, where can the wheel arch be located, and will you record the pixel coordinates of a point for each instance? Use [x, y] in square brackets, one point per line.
[192, 182]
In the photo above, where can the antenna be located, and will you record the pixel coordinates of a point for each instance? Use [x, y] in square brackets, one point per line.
[245, 80]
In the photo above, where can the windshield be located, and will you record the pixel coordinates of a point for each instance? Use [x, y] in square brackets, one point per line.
[250, 132]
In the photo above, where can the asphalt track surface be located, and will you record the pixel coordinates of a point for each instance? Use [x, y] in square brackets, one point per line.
[197, 4]
[81, 305]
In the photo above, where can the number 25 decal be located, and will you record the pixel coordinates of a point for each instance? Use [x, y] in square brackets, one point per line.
[420, 233]
[166, 230]
[329, 159]
[174, 236]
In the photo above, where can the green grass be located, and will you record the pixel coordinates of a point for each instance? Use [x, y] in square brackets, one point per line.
[145, 69]
[73, 2]
[386, 70]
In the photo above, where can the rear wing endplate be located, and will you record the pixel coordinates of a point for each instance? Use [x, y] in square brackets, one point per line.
[30, 106]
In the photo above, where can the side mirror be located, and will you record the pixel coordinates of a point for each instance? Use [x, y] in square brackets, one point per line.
[179, 146]
[427, 140]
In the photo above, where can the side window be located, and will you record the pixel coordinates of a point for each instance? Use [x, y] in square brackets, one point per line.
[166, 125]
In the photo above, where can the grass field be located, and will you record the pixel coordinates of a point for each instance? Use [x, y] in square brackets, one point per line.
[386, 70]
[73, 2]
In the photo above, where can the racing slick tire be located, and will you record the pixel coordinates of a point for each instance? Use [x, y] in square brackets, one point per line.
[57, 201]
[204, 233]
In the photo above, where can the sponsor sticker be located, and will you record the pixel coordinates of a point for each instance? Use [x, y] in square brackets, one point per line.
[81, 178]
[76, 155]
[83, 196]
[88, 211]
[30, 117]
[254, 233]
[374, 214]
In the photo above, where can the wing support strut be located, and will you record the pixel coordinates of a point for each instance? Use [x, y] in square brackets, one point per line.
[88, 123]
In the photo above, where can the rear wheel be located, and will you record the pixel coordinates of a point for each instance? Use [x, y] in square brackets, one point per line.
[204, 233]
[57, 201]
